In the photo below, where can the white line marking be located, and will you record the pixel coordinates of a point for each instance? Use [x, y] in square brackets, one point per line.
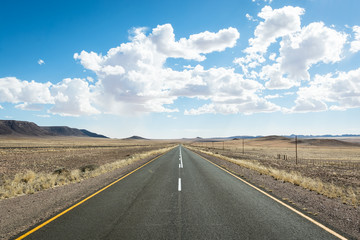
[181, 165]
[179, 185]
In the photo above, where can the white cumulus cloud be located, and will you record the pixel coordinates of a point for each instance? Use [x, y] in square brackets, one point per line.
[355, 45]
[313, 44]
[132, 77]
[163, 38]
[277, 23]
[73, 97]
[299, 51]
[135, 78]
[338, 91]
[301, 48]
[16, 91]
[228, 91]
[275, 78]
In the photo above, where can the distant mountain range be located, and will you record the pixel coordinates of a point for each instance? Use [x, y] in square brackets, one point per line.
[30, 129]
[304, 136]
[217, 139]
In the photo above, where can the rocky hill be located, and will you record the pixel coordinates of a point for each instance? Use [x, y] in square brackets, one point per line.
[30, 129]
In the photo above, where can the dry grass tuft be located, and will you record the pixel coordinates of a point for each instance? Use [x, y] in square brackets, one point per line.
[30, 182]
[347, 194]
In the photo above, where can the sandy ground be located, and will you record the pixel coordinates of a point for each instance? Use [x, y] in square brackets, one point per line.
[48, 154]
[20, 213]
[331, 212]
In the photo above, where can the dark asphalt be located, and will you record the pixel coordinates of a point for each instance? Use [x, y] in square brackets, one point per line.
[211, 205]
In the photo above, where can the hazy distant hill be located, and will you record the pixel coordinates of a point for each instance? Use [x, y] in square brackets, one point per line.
[135, 138]
[311, 140]
[23, 128]
[288, 136]
[327, 142]
[273, 137]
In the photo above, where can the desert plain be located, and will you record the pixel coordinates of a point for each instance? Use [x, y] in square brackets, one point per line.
[318, 176]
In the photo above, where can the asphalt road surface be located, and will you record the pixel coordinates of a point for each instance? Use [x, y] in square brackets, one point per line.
[180, 196]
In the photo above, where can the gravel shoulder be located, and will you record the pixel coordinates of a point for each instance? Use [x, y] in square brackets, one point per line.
[331, 212]
[20, 213]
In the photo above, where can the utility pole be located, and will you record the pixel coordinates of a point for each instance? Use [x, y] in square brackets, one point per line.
[223, 146]
[296, 152]
[243, 146]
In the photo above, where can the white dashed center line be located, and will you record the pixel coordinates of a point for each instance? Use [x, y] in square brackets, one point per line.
[181, 165]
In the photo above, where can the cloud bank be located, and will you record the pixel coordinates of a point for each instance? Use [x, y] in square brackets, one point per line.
[134, 77]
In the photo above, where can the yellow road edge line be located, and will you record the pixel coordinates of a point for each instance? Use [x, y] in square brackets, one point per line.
[84, 200]
[281, 202]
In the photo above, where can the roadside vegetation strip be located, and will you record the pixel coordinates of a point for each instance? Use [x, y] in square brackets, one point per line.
[31, 182]
[347, 195]
[281, 202]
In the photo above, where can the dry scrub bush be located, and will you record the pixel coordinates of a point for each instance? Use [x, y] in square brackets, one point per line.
[31, 182]
[347, 195]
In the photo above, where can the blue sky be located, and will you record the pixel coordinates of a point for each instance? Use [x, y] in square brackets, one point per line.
[172, 69]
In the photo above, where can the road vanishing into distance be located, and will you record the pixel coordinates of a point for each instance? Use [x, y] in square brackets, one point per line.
[179, 195]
